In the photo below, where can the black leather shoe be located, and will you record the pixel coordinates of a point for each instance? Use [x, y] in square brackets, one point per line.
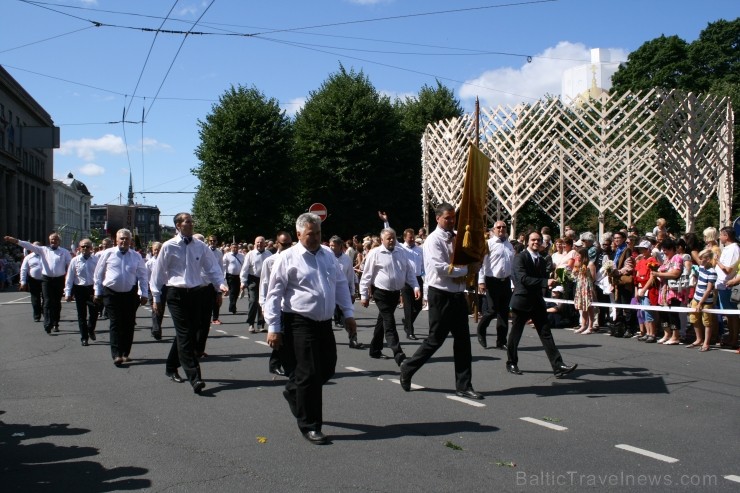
[379, 356]
[84, 342]
[503, 347]
[353, 344]
[198, 386]
[157, 334]
[48, 330]
[469, 394]
[513, 369]
[37, 319]
[56, 328]
[315, 437]
[278, 371]
[174, 376]
[405, 378]
[412, 337]
[91, 334]
[482, 341]
[563, 370]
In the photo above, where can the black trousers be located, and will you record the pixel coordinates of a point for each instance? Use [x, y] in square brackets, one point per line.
[309, 355]
[87, 312]
[498, 295]
[234, 284]
[186, 309]
[209, 305]
[216, 308]
[121, 308]
[385, 326]
[158, 316]
[539, 319]
[254, 314]
[411, 306]
[37, 297]
[53, 289]
[624, 296]
[448, 312]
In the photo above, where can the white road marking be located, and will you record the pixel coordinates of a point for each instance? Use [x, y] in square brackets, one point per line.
[646, 453]
[733, 477]
[358, 370]
[544, 423]
[19, 301]
[221, 331]
[413, 385]
[466, 401]
[262, 342]
[244, 337]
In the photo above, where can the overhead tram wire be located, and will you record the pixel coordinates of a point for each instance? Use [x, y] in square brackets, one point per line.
[46, 39]
[175, 58]
[146, 60]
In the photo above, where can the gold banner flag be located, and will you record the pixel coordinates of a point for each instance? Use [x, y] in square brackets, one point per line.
[470, 242]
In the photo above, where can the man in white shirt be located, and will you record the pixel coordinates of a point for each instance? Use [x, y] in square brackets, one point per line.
[387, 269]
[79, 286]
[31, 281]
[305, 285]
[337, 247]
[448, 308]
[250, 278]
[120, 269]
[494, 280]
[157, 315]
[232, 266]
[412, 305]
[54, 261]
[185, 265]
[213, 245]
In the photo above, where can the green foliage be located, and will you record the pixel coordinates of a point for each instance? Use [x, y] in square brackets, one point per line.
[347, 146]
[245, 163]
[662, 62]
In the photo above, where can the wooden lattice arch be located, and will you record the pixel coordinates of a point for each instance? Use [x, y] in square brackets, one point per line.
[620, 153]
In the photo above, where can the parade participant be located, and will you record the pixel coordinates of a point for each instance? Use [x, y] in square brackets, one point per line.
[250, 278]
[79, 286]
[232, 267]
[494, 281]
[30, 280]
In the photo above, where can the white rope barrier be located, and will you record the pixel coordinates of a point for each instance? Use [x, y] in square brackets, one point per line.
[651, 308]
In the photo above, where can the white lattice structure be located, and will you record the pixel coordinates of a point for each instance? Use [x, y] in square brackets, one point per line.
[619, 153]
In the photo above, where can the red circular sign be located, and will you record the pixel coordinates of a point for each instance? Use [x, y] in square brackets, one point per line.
[319, 209]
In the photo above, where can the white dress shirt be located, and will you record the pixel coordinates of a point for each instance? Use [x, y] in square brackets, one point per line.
[349, 271]
[498, 261]
[31, 267]
[253, 264]
[219, 258]
[265, 278]
[388, 270]
[232, 263]
[416, 255]
[437, 258]
[308, 284]
[120, 272]
[81, 272]
[54, 262]
[184, 265]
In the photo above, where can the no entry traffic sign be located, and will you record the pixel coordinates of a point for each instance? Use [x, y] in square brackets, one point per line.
[319, 209]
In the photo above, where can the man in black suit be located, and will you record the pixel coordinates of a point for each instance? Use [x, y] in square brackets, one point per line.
[527, 302]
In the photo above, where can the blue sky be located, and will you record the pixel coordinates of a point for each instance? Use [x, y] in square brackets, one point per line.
[83, 60]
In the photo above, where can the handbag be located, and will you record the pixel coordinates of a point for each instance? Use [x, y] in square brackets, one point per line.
[735, 294]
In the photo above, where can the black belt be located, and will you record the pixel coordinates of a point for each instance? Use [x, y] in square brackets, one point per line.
[386, 290]
[187, 290]
[47, 278]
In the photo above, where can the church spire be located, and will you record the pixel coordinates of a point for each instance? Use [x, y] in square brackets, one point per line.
[130, 189]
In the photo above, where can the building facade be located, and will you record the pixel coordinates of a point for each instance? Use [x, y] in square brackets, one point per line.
[71, 210]
[142, 220]
[26, 163]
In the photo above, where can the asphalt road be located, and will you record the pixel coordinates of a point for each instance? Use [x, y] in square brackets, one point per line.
[633, 417]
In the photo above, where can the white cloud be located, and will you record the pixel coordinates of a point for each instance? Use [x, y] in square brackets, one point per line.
[531, 81]
[188, 10]
[92, 169]
[293, 106]
[86, 148]
[153, 145]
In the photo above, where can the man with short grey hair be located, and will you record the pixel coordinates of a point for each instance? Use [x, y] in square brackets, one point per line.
[80, 286]
[305, 285]
[120, 269]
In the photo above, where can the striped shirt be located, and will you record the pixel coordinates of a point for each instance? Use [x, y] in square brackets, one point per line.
[705, 277]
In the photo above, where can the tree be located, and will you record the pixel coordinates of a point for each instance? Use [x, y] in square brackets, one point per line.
[662, 62]
[347, 139]
[245, 164]
[432, 104]
[715, 56]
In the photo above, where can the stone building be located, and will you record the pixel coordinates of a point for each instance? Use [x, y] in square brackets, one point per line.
[71, 210]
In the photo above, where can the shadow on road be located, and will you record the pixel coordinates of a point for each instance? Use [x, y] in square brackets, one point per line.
[32, 467]
[385, 432]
